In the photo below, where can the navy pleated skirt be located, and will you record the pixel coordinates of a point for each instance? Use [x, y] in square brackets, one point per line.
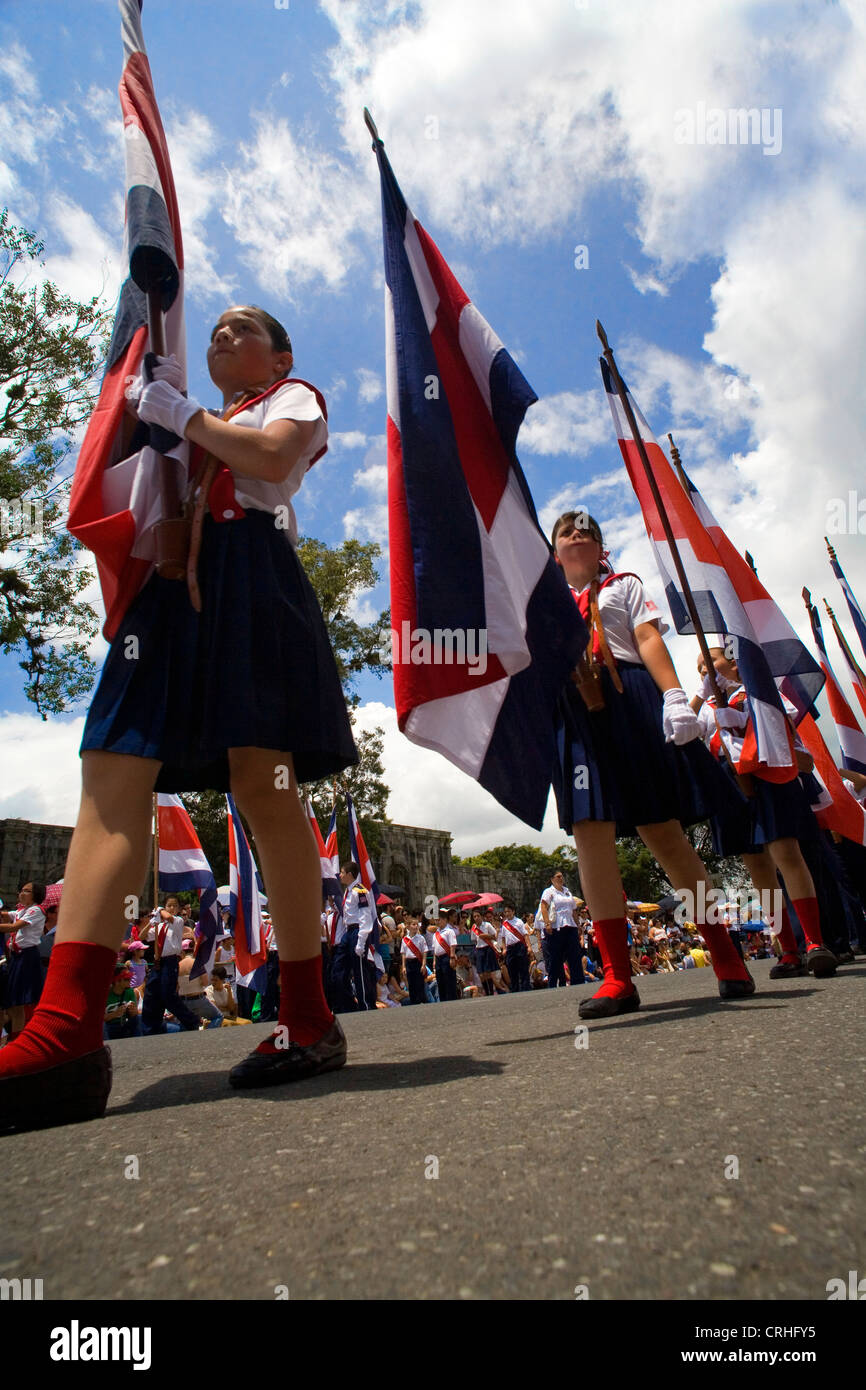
[24, 980]
[254, 669]
[614, 764]
[783, 811]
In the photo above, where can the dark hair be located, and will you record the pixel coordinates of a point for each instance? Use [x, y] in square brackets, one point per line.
[219, 971]
[588, 523]
[280, 340]
[39, 890]
[350, 867]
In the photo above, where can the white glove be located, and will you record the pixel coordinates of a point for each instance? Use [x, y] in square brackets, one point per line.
[730, 718]
[679, 722]
[166, 369]
[706, 691]
[162, 404]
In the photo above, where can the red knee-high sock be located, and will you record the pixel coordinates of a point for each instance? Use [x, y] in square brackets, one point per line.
[808, 917]
[726, 959]
[303, 1006]
[788, 941]
[67, 1022]
[612, 938]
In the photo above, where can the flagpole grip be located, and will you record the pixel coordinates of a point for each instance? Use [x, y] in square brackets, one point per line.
[719, 695]
[172, 533]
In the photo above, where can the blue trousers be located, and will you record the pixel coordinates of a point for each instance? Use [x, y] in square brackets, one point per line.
[517, 965]
[565, 949]
[160, 993]
[342, 969]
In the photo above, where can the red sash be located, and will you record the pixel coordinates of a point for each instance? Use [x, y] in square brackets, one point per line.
[444, 944]
[514, 932]
[582, 601]
[222, 501]
[416, 951]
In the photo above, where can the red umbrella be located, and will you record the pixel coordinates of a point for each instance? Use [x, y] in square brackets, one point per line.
[383, 900]
[52, 894]
[461, 897]
[486, 900]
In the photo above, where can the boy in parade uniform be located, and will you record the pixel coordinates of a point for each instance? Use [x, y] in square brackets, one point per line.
[514, 940]
[445, 957]
[360, 940]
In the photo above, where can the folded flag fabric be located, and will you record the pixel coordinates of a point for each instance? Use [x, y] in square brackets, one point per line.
[358, 852]
[484, 629]
[251, 950]
[846, 816]
[855, 674]
[729, 598]
[183, 864]
[857, 616]
[328, 856]
[852, 740]
[115, 503]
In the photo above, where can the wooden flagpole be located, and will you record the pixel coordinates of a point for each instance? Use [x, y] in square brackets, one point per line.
[719, 695]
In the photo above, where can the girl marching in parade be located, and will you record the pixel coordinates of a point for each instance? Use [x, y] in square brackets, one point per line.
[779, 816]
[270, 716]
[631, 762]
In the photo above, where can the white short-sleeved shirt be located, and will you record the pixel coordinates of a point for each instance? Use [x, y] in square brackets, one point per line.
[174, 935]
[560, 907]
[406, 950]
[623, 605]
[32, 921]
[506, 937]
[290, 402]
[449, 936]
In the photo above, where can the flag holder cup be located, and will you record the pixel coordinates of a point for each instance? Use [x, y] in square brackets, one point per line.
[156, 276]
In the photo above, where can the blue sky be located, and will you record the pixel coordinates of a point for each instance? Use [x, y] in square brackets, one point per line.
[730, 278]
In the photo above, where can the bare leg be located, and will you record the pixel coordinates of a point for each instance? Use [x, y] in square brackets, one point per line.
[107, 860]
[788, 859]
[667, 843]
[599, 871]
[287, 851]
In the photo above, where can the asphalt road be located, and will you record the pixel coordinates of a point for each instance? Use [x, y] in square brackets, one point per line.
[692, 1150]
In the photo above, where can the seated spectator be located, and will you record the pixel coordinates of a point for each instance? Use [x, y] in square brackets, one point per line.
[219, 993]
[192, 991]
[467, 977]
[591, 971]
[396, 993]
[121, 1010]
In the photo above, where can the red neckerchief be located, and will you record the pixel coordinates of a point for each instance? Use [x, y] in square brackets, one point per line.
[582, 601]
[222, 501]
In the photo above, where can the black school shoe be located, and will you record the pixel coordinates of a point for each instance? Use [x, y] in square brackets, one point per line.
[736, 989]
[606, 1006]
[821, 962]
[61, 1095]
[787, 970]
[293, 1063]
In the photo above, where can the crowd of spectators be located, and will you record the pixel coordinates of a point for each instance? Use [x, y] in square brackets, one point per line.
[484, 958]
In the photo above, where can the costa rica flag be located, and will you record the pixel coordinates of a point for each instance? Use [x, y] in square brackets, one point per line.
[484, 629]
[183, 864]
[251, 950]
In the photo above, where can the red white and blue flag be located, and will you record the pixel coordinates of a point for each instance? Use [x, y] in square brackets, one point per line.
[845, 815]
[855, 674]
[852, 740]
[358, 852]
[729, 598]
[114, 505]
[484, 629]
[251, 949]
[182, 864]
[328, 857]
[857, 616]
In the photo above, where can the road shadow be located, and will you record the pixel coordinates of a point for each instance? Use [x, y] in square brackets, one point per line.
[683, 1009]
[200, 1088]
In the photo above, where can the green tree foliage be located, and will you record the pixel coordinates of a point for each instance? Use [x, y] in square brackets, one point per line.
[51, 349]
[339, 576]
